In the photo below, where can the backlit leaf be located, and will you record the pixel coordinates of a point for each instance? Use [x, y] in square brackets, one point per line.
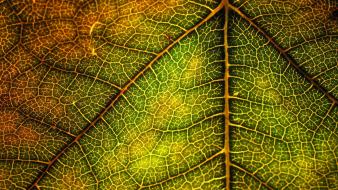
[168, 94]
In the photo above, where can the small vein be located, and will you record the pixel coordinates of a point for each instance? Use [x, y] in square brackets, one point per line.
[21, 160]
[189, 170]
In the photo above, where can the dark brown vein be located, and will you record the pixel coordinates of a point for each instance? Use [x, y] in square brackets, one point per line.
[95, 78]
[252, 175]
[40, 121]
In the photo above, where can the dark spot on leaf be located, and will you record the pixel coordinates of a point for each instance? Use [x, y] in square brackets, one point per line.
[334, 14]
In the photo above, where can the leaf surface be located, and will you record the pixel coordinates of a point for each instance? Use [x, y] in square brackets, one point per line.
[168, 94]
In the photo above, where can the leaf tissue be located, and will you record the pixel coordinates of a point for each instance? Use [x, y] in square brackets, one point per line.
[168, 94]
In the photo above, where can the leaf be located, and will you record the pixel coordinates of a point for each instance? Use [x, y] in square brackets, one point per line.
[171, 94]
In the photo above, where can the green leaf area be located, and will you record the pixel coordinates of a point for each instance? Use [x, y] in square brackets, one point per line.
[168, 94]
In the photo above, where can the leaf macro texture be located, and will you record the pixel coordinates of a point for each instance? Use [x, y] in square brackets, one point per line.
[168, 94]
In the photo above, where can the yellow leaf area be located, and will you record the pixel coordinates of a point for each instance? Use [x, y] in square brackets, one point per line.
[168, 94]
[162, 126]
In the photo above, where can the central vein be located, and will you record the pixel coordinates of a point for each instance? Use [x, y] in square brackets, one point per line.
[226, 98]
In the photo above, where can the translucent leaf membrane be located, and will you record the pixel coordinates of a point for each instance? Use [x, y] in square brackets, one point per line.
[157, 94]
[319, 58]
[27, 139]
[70, 172]
[292, 22]
[306, 29]
[58, 98]
[169, 125]
[9, 29]
[69, 53]
[17, 174]
[99, 38]
[283, 131]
